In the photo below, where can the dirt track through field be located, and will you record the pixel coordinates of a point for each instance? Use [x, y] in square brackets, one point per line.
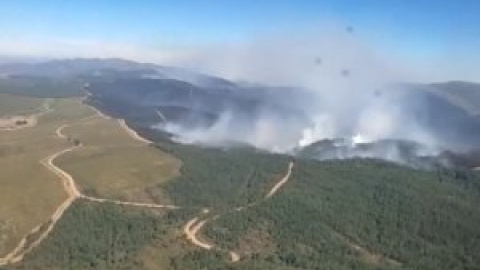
[24, 247]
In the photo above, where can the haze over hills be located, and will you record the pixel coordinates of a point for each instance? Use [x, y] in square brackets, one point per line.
[196, 108]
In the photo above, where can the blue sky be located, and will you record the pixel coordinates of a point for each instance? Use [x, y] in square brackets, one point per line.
[421, 29]
[216, 20]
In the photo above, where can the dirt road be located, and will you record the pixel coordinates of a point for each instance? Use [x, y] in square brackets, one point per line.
[193, 227]
[67, 179]
[280, 183]
[136, 204]
[73, 193]
[59, 130]
[69, 185]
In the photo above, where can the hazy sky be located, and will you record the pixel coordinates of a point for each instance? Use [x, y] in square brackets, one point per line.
[424, 33]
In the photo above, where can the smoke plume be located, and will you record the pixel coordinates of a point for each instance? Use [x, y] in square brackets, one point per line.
[340, 87]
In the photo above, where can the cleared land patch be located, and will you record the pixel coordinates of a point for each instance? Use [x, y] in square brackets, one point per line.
[112, 164]
[18, 112]
[15, 122]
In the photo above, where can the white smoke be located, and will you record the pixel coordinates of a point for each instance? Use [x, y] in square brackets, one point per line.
[323, 127]
[348, 82]
[268, 131]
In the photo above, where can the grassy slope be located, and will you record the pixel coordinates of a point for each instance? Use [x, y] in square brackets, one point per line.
[30, 192]
[41, 87]
[112, 164]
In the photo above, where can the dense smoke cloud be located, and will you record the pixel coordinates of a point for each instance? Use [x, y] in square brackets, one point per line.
[267, 131]
[345, 90]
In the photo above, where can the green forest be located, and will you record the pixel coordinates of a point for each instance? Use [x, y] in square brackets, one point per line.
[361, 214]
[221, 178]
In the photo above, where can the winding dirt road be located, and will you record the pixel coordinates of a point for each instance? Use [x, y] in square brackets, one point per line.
[59, 130]
[194, 226]
[73, 193]
[191, 229]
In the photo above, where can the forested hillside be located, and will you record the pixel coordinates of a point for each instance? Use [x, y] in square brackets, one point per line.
[221, 178]
[356, 214]
[360, 214]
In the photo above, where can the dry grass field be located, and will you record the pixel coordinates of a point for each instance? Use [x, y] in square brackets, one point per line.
[30, 193]
[111, 163]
